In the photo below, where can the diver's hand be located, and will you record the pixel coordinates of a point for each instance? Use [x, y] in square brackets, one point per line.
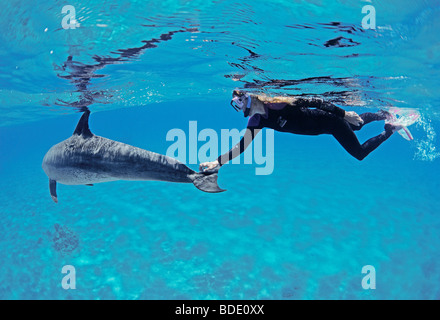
[206, 166]
[353, 118]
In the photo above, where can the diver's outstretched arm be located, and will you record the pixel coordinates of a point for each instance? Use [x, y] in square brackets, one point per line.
[238, 149]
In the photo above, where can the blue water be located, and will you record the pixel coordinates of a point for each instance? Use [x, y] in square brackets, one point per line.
[146, 67]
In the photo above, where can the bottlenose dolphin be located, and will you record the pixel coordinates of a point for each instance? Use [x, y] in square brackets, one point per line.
[86, 159]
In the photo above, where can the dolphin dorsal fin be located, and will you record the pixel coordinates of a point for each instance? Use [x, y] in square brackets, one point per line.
[82, 128]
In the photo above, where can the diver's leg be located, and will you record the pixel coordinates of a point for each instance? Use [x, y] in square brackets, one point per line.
[346, 137]
[368, 117]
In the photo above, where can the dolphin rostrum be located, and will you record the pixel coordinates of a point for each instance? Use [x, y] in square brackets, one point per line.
[84, 159]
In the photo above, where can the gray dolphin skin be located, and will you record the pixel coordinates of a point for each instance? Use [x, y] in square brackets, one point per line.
[85, 159]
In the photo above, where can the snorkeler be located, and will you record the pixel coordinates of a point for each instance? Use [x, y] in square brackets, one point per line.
[306, 117]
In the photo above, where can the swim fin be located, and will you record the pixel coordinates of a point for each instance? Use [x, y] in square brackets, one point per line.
[403, 117]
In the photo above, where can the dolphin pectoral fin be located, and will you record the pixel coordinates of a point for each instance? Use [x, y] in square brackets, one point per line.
[89, 184]
[53, 190]
[207, 182]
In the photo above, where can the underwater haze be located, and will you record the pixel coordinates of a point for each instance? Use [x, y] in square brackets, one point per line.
[143, 68]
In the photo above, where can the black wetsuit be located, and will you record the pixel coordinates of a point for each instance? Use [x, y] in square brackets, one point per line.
[311, 117]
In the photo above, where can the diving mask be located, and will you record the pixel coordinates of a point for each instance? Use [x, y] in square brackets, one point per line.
[240, 103]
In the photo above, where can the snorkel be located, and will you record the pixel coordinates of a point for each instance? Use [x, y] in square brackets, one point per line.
[238, 102]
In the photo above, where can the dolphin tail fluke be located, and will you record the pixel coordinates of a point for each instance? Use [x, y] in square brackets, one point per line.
[53, 190]
[207, 182]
